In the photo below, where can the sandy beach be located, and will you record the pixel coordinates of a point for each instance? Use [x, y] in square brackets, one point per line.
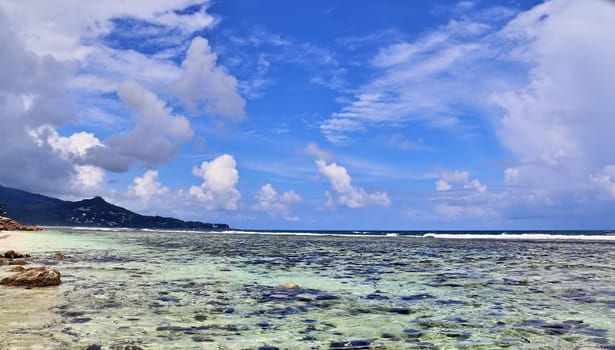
[26, 312]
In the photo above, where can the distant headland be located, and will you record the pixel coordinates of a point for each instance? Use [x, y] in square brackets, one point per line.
[35, 209]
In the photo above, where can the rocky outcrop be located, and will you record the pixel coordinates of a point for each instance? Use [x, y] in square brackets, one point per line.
[7, 224]
[11, 257]
[11, 254]
[33, 277]
[289, 285]
[59, 256]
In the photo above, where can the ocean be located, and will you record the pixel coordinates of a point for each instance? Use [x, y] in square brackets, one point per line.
[126, 289]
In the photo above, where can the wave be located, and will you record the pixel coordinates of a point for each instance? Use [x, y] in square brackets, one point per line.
[305, 233]
[523, 236]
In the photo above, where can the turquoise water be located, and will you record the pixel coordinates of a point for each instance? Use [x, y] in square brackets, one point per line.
[161, 290]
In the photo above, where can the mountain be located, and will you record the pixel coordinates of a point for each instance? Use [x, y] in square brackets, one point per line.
[35, 209]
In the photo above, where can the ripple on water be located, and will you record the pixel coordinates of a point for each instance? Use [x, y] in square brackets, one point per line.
[191, 291]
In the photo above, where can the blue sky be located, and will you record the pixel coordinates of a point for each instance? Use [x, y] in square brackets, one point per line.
[316, 114]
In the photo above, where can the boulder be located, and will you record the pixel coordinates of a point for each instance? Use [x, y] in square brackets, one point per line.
[17, 268]
[34, 277]
[11, 254]
[289, 285]
[8, 224]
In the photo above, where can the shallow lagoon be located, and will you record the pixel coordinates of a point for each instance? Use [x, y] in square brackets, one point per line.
[155, 290]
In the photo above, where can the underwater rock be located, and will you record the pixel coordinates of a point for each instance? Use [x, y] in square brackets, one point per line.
[59, 256]
[289, 285]
[18, 262]
[200, 317]
[353, 344]
[34, 277]
[93, 347]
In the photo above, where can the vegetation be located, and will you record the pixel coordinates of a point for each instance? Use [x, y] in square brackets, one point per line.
[34, 209]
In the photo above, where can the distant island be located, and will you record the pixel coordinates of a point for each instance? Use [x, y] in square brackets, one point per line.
[35, 209]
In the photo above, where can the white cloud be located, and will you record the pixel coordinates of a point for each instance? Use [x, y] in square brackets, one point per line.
[267, 199]
[205, 84]
[88, 179]
[559, 125]
[47, 64]
[75, 145]
[447, 178]
[148, 186]
[312, 149]
[154, 139]
[511, 176]
[217, 192]
[442, 185]
[85, 179]
[105, 67]
[423, 81]
[605, 180]
[45, 34]
[347, 194]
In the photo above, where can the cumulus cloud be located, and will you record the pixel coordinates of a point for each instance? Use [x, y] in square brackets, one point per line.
[48, 64]
[32, 97]
[155, 138]
[347, 194]
[267, 199]
[560, 124]
[341, 182]
[205, 84]
[217, 192]
[148, 186]
[447, 178]
[76, 145]
[85, 179]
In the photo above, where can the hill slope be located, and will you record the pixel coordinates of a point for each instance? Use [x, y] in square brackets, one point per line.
[35, 209]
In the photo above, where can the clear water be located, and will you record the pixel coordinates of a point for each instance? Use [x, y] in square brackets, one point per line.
[161, 290]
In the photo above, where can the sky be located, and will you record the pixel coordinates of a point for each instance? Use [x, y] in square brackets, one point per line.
[275, 114]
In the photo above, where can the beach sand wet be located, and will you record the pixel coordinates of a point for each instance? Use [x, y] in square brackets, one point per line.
[161, 290]
[27, 316]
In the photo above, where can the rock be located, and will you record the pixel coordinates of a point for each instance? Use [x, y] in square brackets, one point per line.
[8, 224]
[18, 262]
[11, 254]
[17, 268]
[353, 344]
[93, 347]
[59, 256]
[289, 285]
[34, 277]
